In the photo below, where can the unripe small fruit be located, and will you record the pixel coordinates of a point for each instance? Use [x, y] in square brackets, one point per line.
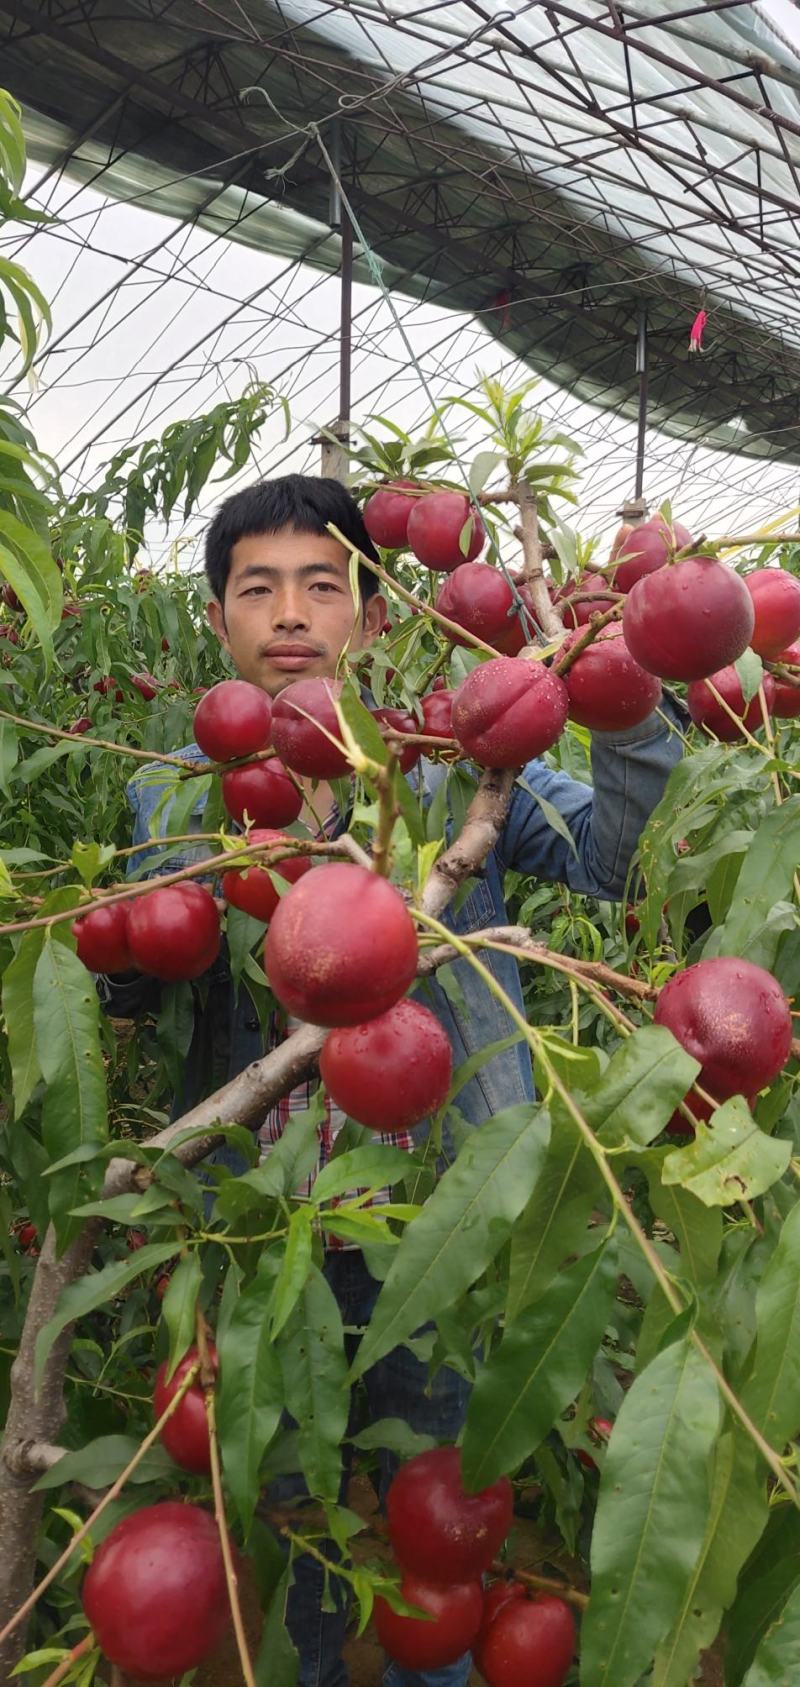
[185, 1433]
[81, 725]
[232, 719]
[437, 713]
[102, 939]
[155, 1593]
[607, 689]
[776, 601]
[419, 1644]
[734, 1018]
[706, 711]
[689, 620]
[27, 1235]
[9, 633]
[435, 528]
[70, 611]
[401, 721]
[173, 933]
[386, 514]
[262, 792]
[161, 1285]
[299, 712]
[508, 711]
[646, 548]
[392, 1072]
[252, 888]
[531, 1643]
[477, 598]
[341, 947]
[436, 1528]
[786, 703]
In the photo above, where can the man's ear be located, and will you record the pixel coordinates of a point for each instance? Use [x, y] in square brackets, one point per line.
[374, 617]
[216, 618]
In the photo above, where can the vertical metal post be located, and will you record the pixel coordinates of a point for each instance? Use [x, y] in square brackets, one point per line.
[335, 458]
[641, 370]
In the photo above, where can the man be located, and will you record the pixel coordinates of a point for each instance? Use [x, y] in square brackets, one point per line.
[282, 608]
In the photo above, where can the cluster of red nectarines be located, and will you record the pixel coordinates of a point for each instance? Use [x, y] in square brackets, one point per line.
[444, 1541]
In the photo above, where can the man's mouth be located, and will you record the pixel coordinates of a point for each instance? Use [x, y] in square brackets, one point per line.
[291, 657]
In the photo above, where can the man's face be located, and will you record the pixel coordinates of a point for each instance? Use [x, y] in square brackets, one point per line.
[288, 610]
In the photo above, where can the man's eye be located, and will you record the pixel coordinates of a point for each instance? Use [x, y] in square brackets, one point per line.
[324, 586]
[254, 591]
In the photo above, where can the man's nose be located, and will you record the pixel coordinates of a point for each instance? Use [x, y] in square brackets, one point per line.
[290, 610]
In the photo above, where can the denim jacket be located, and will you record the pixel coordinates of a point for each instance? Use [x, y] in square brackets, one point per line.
[629, 771]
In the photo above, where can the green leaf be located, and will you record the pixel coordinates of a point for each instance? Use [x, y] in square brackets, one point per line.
[175, 1027]
[179, 1306]
[393, 1435]
[538, 1369]
[777, 1660]
[697, 1229]
[100, 1462]
[295, 1266]
[736, 1518]
[552, 815]
[555, 1220]
[766, 878]
[250, 1391]
[640, 1088]
[66, 1016]
[750, 673]
[363, 726]
[314, 1366]
[460, 1229]
[377, 1166]
[651, 1514]
[95, 1289]
[18, 1014]
[277, 1664]
[9, 752]
[481, 470]
[286, 1166]
[769, 1577]
[732, 1160]
[89, 859]
[771, 1394]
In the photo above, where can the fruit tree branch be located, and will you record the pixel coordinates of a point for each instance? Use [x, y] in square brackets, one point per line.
[532, 569]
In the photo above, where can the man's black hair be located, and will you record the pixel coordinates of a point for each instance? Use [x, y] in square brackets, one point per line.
[305, 502]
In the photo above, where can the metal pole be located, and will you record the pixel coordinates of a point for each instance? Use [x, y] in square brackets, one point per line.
[641, 370]
[346, 324]
[335, 458]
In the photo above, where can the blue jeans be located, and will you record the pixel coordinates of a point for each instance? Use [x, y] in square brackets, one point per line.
[396, 1387]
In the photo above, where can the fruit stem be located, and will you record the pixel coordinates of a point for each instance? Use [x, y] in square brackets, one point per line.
[462, 635]
[543, 1584]
[111, 1494]
[738, 721]
[61, 1670]
[387, 815]
[594, 625]
[538, 1047]
[224, 1539]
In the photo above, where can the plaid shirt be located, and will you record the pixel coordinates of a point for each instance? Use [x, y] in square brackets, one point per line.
[297, 1101]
